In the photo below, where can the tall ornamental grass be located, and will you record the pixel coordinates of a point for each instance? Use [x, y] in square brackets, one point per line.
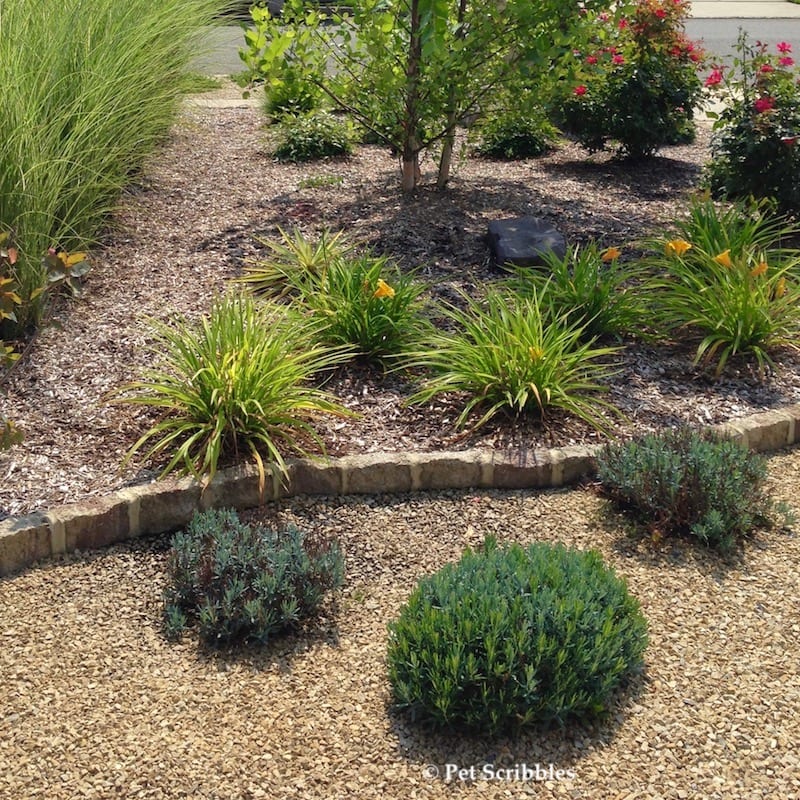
[89, 88]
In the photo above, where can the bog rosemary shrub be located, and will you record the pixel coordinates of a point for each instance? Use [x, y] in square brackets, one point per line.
[242, 582]
[512, 636]
[684, 482]
[318, 134]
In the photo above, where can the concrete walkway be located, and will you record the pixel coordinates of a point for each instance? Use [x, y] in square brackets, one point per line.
[745, 9]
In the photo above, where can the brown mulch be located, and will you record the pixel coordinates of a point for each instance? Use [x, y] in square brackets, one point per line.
[195, 215]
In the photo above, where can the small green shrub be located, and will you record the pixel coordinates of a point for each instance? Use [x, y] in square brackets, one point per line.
[290, 94]
[744, 298]
[238, 380]
[509, 636]
[587, 287]
[635, 82]
[10, 434]
[508, 353]
[754, 147]
[243, 582]
[683, 482]
[516, 132]
[306, 137]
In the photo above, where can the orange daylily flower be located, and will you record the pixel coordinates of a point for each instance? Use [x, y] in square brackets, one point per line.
[724, 259]
[758, 269]
[677, 247]
[383, 290]
[610, 253]
[780, 288]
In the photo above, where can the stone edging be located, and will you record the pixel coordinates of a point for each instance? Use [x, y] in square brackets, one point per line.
[168, 505]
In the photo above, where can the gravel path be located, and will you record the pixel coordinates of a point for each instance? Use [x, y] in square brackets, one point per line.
[99, 705]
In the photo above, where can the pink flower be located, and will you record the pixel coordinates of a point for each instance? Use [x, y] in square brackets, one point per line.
[623, 23]
[715, 77]
[784, 47]
[603, 17]
[660, 13]
[786, 61]
[695, 56]
[766, 68]
[618, 59]
[591, 59]
[764, 104]
[580, 90]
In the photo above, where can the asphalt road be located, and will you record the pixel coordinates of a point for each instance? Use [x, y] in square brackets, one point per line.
[221, 45]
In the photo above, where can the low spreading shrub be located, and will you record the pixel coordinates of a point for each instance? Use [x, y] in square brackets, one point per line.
[512, 636]
[587, 287]
[237, 380]
[635, 80]
[246, 583]
[290, 94]
[755, 147]
[508, 353]
[726, 287]
[683, 482]
[305, 137]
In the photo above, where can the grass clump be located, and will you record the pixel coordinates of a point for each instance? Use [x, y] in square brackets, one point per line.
[246, 583]
[90, 88]
[723, 281]
[513, 636]
[683, 482]
[237, 380]
[509, 354]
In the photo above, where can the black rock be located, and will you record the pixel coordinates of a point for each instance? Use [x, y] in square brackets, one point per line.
[521, 241]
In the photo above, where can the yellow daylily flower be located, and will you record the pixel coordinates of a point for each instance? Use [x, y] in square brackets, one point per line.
[758, 269]
[535, 353]
[610, 253]
[724, 259]
[780, 288]
[677, 247]
[383, 290]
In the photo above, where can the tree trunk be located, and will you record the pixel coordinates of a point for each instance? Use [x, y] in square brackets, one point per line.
[452, 115]
[411, 146]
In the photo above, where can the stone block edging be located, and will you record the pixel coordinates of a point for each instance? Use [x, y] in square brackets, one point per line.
[168, 505]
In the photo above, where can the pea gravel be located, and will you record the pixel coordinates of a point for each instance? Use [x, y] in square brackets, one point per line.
[99, 705]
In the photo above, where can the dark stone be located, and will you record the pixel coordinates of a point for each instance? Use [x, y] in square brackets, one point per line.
[522, 241]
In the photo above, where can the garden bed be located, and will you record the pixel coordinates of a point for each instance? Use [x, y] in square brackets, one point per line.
[192, 219]
[99, 704]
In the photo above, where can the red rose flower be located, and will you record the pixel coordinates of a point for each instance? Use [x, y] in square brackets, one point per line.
[580, 90]
[764, 104]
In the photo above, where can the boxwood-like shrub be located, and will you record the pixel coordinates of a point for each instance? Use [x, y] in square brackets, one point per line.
[245, 582]
[511, 636]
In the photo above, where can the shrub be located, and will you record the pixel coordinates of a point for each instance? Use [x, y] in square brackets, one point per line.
[290, 94]
[365, 303]
[511, 636]
[754, 148]
[636, 81]
[89, 90]
[683, 482]
[246, 583]
[508, 354]
[519, 130]
[740, 299]
[306, 137]
[587, 287]
[237, 380]
[10, 434]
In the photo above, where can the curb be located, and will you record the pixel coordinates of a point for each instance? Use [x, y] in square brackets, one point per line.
[164, 506]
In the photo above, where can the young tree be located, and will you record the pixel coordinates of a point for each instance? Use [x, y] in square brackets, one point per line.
[410, 70]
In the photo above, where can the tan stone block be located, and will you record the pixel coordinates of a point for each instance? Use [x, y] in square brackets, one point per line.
[456, 470]
[375, 473]
[525, 469]
[312, 476]
[23, 541]
[89, 525]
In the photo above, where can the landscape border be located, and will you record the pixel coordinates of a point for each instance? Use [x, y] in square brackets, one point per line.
[163, 506]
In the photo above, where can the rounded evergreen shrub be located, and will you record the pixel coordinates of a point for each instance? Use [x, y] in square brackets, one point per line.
[511, 636]
[245, 582]
[306, 137]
